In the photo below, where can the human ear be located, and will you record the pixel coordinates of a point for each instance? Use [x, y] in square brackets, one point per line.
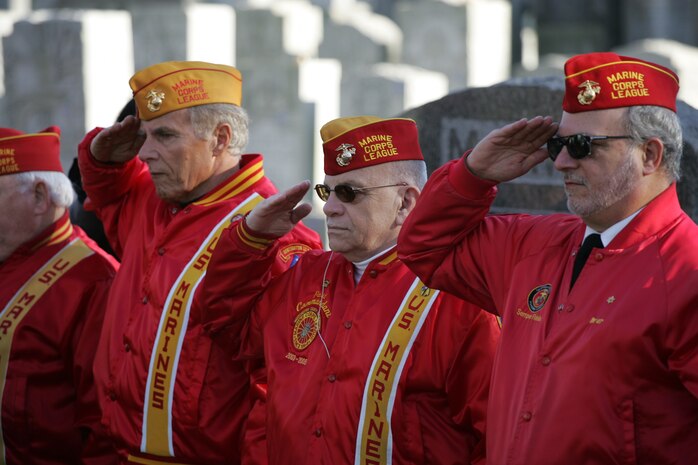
[407, 202]
[41, 197]
[652, 156]
[223, 134]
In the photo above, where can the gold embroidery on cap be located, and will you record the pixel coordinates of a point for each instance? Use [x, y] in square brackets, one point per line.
[155, 99]
[344, 158]
[589, 92]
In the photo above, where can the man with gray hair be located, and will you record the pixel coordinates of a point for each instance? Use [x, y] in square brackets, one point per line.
[55, 282]
[598, 361]
[166, 184]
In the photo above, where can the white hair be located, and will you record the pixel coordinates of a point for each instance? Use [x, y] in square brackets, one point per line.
[59, 187]
[205, 118]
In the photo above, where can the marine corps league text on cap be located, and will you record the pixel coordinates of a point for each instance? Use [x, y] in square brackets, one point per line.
[362, 141]
[597, 81]
[20, 152]
[173, 85]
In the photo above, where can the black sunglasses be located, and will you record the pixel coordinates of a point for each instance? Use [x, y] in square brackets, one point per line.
[578, 145]
[345, 192]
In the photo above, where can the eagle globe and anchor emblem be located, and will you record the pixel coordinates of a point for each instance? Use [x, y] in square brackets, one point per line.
[347, 153]
[590, 89]
[155, 99]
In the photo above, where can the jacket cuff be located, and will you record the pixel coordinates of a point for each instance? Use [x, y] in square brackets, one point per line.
[252, 239]
[467, 184]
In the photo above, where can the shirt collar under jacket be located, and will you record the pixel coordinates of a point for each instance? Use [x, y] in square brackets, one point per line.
[360, 267]
[608, 235]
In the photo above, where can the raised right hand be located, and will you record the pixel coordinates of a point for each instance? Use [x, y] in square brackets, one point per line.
[511, 151]
[118, 143]
[278, 214]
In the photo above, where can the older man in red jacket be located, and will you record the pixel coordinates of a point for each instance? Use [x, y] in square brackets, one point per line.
[166, 184]
[55, 283]
[366, 364]
[599, 360]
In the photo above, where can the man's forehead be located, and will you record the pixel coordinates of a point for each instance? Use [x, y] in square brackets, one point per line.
[174, 119]
[592, 121]
[358, 177]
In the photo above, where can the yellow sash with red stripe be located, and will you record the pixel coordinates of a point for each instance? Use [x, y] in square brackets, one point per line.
[159, 391]
[374, 439]
[27, 296]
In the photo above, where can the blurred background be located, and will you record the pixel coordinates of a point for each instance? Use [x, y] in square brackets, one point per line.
[305, 62]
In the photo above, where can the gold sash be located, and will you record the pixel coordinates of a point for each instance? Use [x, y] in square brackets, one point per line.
[159, 392]
[26, 297]
[374, 439]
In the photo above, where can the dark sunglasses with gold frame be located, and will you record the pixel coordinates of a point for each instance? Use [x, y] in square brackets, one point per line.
[346, 193]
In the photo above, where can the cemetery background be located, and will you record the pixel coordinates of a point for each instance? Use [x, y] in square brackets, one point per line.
[459, 67]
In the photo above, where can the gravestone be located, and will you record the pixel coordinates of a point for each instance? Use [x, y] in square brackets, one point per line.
[70, 69]
[668, 19]
[101, 4]
[577, 26]
[281, 124]
[386, 89]
[450, 126]
[359, 37]
[159, 32]
[211, 33]
[469, 42]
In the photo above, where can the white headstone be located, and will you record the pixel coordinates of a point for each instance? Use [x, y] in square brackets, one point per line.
[70, 69]
[387, 89]
[211, 33]
[358, 36]
[470, 42]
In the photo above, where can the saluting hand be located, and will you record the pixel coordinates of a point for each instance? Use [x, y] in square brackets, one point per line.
[118, 143]
[511, 151]
[278, 214]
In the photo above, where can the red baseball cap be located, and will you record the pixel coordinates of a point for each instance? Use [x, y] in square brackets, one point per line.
[597, 81]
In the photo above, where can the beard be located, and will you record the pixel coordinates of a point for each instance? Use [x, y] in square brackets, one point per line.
[611, 190]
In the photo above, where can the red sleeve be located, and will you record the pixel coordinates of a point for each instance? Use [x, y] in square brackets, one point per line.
[97, 449]
[241, 269]
[109, 189]
[453, 203]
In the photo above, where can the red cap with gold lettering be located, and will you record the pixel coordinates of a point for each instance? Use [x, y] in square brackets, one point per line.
[596, 81]
[362, 141]
[20, 152]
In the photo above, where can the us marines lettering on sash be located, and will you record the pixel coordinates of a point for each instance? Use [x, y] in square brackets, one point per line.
[164, 357]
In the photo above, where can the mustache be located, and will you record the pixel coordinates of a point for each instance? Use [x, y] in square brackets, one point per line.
[575, 179]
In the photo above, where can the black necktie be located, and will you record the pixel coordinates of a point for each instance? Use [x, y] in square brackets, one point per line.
[591, 241]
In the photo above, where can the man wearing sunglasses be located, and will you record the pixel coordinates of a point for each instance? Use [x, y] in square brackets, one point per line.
[598, 361]
[365, 363]
[166, 183]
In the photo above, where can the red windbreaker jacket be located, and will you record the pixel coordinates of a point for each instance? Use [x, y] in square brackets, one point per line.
[50, 414]
[606, 373]
[397, 373]
[152, 346]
